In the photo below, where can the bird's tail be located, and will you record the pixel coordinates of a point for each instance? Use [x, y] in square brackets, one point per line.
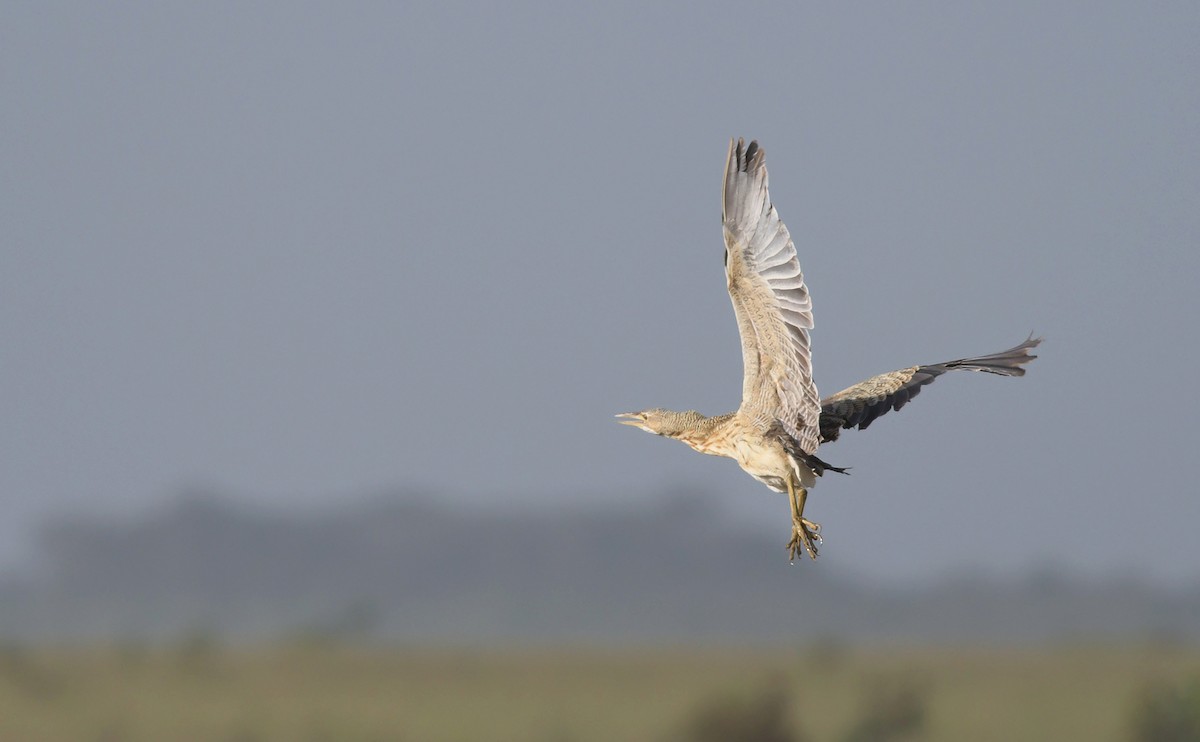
[1005, 363]
[818, 466]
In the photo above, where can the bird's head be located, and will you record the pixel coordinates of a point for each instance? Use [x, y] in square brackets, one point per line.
[662, 422]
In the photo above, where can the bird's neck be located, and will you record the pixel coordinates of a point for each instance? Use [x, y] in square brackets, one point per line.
[701, 433]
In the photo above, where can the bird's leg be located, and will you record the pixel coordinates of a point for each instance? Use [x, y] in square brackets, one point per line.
[806, 535]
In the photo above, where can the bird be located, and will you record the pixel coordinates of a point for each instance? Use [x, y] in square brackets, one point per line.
[775, 433]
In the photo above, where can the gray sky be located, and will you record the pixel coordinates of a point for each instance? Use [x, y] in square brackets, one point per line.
[305, 253]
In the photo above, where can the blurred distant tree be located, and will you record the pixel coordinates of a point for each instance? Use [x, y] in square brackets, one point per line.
[198, 648]
[892, 710]
[357, 621]
[1168, 713]
[763, 716]
[19, 667]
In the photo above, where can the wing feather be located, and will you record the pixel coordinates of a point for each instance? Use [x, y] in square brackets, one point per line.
[771, 302]
[863, 403]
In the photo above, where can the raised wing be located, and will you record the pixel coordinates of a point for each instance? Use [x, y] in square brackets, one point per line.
[858, 406]
[774, 311]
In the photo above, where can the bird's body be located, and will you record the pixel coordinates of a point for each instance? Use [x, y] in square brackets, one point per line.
[766, 459]
[733, 436]
[775, 433]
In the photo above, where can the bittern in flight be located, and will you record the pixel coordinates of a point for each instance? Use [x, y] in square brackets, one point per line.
[775, 432]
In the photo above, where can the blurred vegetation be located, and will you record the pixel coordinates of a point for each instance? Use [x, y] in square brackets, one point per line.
[22, 671]
[1168, 712]
[761, 716]
[206, 688]
[892, 710]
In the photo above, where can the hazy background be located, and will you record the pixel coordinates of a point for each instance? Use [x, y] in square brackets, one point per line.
[304, 255]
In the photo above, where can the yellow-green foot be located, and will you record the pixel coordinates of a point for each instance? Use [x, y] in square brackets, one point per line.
[806, 537]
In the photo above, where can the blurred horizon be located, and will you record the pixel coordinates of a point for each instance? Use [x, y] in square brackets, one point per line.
[686, 499]
[676, 569]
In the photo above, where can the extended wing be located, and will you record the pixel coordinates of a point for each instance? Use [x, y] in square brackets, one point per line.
[774, 311]
[858, 406]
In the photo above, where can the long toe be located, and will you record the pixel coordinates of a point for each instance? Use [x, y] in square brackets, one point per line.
[795, 547]
[807, 538]
[810, 544]
[813, 530]
[803, 541]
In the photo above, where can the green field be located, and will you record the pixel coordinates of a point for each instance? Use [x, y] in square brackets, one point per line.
[312, 692]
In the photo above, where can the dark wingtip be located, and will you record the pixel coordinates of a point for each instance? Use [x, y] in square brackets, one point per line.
[749, 157]
[751, 151]
[1031, 342]
[1005, 363]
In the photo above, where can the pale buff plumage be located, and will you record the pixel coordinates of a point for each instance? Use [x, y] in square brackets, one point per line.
[775, 432]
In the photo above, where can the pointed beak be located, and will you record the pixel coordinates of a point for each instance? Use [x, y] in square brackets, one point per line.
[631, 418]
